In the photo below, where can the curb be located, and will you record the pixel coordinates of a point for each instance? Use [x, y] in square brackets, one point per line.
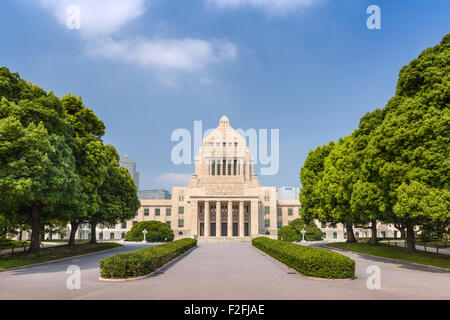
[291, 270]
[57, 260]
[391, 259]
[168, 264]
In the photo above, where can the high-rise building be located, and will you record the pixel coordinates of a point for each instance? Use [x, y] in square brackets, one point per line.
[130, 165]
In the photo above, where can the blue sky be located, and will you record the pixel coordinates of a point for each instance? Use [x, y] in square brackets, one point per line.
[310, 68]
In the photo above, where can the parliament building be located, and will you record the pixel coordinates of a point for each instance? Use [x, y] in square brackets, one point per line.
[223, 200]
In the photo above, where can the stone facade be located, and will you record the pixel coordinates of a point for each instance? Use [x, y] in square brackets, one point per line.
[223, 200]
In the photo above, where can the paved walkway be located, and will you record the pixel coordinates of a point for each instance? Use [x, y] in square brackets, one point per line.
[224, 271]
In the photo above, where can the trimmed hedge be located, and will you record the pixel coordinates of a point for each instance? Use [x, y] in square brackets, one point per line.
[309, 261]
[143, 261]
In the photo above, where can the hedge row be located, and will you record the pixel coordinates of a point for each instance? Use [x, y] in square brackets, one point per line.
[309, 261]
[143, 261]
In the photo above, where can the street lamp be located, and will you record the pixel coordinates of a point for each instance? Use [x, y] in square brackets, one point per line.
[145, 233]
[303, 235]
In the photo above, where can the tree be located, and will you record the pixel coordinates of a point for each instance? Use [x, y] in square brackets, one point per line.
[90, 161]
[293, 231]
[118, 195]
[410, 147]
[310, 175]
[156, 232]
[368, 200]
[36, 171]
[336, 187]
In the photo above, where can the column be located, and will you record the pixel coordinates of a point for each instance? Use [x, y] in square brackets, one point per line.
[206, 223]
[254, 218]
[218, 219]
[192, 224]
[241, 219]
[230, 219]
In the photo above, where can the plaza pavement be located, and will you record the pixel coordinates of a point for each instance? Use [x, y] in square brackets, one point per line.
[224, 271]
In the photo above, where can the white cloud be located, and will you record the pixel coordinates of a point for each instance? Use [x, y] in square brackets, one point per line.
[185, 54]
[275, 7]
[101, 20]
[174, 179]
[98, 17]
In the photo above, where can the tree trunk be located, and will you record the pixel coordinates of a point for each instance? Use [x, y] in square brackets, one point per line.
[73, 231]
[373, 227]
[403, 233]
[410, 244]
[35, 228]
[93, 233]
[350, 234]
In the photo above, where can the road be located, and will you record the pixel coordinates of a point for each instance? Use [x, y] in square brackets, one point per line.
[224, 271]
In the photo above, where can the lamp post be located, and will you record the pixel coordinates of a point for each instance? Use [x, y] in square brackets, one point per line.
[145, 233]
[303, 235]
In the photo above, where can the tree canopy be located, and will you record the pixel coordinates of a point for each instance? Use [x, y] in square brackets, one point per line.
[395, 167]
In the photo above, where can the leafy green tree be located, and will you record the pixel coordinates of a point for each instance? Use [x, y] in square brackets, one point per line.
[411, 147]
[36, 171]
[336, 187]
[156, 232]
[368, 199]
[118, 194]
[310, 176]
[293, 231]
[90, 161]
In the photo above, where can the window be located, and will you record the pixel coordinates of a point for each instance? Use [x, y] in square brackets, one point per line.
[224, 167]
[168, 223]
[234, 167]
[279, 212]
[180, 198]
[229, 168]
[213, 168]
[324, 235]
[157, 212]
[266, 210]
[218, 168]
[122, 236]
[345, 235]
[111, 235]
[290, 212]
[124, 225]
[168, 211]
[267, 223]
[180, 223]
[146, 212]
[180, 210]
[279, 224]
[334, 235]
[100, 236]
[323, 225]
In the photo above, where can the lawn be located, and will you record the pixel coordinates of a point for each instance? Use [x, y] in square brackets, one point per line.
[380, 250]
[49, 254]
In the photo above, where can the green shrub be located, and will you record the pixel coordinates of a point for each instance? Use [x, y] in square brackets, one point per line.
[156, 232]
[309, 261]
[143, 261]
[293, 232]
